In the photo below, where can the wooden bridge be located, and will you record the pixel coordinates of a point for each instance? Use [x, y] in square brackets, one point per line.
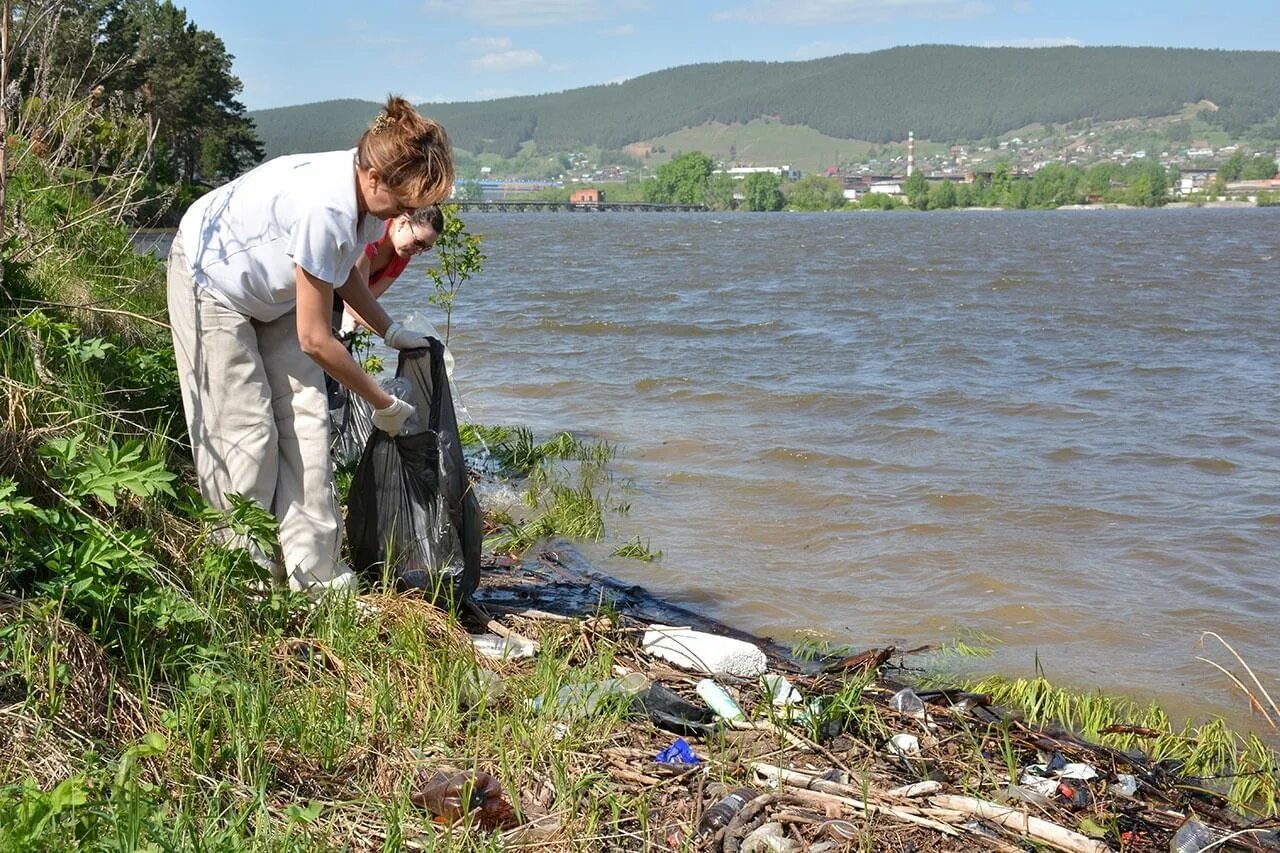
[517, 206]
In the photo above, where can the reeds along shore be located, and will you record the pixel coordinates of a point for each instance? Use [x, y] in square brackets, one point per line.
[154, 697]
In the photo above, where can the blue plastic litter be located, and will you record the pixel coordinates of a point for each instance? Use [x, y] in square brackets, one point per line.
[678, 753]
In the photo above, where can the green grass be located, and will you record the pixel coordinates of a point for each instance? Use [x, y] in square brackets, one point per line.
[762, 142]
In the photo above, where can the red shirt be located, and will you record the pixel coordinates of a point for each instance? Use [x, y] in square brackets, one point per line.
[393, 268]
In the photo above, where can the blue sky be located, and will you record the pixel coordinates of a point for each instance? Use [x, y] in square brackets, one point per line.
[296, 51]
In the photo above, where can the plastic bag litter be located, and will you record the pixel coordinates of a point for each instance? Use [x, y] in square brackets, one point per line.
[412, 513]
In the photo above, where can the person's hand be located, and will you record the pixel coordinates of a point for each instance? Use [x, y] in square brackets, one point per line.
[391, 419]
[398, 337]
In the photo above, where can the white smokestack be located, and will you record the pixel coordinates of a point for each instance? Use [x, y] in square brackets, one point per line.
[911, 152]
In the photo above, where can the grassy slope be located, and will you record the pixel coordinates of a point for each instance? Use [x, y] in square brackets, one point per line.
[153, 701]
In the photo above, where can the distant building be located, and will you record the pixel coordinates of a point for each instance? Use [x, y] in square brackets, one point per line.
[590, 195]
[1194, 180]
[787, 173]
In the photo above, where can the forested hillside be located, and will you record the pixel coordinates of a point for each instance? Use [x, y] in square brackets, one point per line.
[941, 92]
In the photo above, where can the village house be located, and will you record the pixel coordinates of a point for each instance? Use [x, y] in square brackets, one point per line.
[588, 196]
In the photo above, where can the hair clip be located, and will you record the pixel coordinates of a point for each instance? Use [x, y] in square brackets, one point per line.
[381, 123]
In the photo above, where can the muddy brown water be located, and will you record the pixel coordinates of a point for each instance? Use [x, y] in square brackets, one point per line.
[1053, 433]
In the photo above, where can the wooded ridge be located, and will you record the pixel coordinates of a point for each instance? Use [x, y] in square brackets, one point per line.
[940, 92]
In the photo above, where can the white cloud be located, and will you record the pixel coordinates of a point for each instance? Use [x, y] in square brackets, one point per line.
[506, 60]
[1046, 41]
[851, 11]
[816, 49]
[486, 44]
[518, 13]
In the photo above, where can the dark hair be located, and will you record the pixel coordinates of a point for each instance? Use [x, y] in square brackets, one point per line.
[430, 215]
[411, 153]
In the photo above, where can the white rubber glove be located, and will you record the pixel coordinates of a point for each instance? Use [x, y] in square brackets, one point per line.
[398, 337]
[391, 419]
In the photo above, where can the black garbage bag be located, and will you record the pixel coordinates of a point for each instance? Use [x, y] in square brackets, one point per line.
[350, 416]
[412, 515]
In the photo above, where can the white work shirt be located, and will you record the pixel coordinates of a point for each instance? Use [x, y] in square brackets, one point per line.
[245, 237]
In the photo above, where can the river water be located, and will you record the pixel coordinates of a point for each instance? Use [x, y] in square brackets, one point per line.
[1059, 430]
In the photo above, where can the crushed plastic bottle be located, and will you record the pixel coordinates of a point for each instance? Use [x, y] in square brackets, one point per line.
[1192, 837]
[721, 813]
[403, 389]
[781, 692]
[416, 321]
[482, 686]
[450, 797]
[586, 698]
[1126, 785]
[907, 702]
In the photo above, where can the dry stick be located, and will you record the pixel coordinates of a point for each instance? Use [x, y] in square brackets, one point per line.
[1038, 829]
[1247, 669]
[497, 627]
[1253, 702]
[795, 740]
[917, 789]
[727, 837]
[823, 791]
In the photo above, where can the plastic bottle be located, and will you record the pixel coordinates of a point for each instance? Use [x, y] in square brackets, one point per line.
[587, 697]
[416, 321]
[403, 388]
[452, 796]
[906, 701]
[1192, 837]
[719, 700]
[722, 812]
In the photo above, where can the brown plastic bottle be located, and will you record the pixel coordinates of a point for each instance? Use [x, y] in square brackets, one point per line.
[452, 796]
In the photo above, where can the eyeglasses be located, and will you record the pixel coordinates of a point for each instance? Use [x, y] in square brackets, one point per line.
[420, 245]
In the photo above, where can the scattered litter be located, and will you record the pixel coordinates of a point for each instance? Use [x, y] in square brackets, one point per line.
[905, 745]
[906, 701]
[585, 698]
[1192, 837]
[781, 692]
[452, 796]
[1126, 785]
[482, 685]
[702, 652]
[1024, 794]
[678, 753]
[667, 710]
[722, 812]
[495, 647]
[768, 838]
[719, 700]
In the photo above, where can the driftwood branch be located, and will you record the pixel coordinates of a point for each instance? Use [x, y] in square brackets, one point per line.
[1043, 831]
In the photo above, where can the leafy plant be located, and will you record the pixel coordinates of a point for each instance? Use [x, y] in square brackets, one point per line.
[458, 258]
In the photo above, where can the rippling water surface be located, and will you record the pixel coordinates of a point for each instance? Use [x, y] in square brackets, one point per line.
[1061, 428]
[1058, 428]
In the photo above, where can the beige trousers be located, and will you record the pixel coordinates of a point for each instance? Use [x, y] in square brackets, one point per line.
[259, 423]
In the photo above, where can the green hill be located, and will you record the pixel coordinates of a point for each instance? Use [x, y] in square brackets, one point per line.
[941, 92]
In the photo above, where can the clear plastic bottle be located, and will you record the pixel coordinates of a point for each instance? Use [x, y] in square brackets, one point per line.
[1192, 837]
[403, 388]
[586, 697]
[906, 701]
[722, 812]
